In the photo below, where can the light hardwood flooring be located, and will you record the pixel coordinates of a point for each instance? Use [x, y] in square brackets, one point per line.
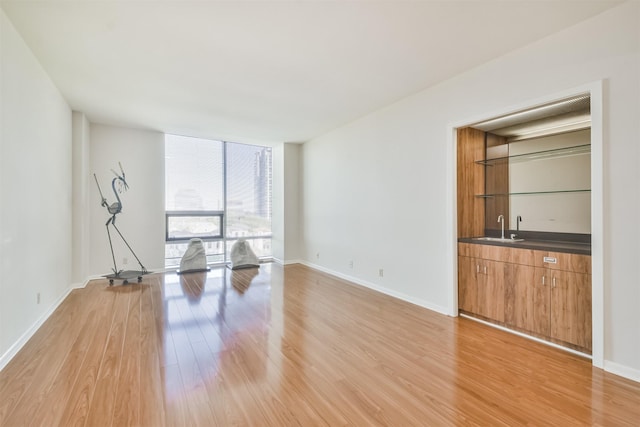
[289, 346]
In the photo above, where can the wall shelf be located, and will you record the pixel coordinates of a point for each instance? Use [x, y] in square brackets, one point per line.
[524, 193]
[539, 155]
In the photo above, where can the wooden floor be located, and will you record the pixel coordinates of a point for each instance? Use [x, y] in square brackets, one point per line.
[285, 347]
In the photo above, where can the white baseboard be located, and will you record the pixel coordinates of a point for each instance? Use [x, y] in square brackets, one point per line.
[287, 262]
[377, 288]
[15, 348]
[622, 370]
[83, 284]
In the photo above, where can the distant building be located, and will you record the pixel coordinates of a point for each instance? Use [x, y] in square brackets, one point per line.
[262, 180]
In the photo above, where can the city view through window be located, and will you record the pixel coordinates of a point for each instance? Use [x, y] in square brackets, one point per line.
[219, 192]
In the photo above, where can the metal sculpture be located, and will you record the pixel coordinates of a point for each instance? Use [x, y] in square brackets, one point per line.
[118, 185]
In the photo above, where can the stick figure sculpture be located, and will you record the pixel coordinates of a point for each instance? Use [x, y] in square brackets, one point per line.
[118, 185]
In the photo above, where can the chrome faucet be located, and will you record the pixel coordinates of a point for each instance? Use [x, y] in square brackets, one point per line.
[501, 221]
[518, 221]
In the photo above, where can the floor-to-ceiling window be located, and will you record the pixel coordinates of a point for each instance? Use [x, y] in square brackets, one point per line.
[248, 196]
[219, 192]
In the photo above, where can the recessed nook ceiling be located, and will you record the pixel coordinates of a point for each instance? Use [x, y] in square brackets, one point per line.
[268, 70]
[561, 116]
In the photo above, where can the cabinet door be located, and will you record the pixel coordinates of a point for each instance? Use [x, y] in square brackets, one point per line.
[541, 289]
[571, 308]
[519, 296]
[467, 284]
[491, 290]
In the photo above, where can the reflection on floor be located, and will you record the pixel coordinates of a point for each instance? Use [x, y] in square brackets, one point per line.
[280, 346]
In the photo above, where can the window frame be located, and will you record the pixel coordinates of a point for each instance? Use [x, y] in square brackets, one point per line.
[205, 214]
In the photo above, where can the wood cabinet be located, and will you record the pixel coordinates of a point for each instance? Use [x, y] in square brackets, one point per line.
[563, 297]
[467, 285]
[491, 290]
[481, 280]
[547, 294]
[522, 304]
[496, 182]
[481, 287]
[471, 181]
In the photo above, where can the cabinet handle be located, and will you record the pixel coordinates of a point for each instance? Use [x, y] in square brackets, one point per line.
[485, 269]
[542, 280]
[553, 282]
[477, 268]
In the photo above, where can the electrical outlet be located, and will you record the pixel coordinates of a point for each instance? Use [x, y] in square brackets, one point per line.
[381, 272]
[38, 298]
[318, 255]
[351, 264]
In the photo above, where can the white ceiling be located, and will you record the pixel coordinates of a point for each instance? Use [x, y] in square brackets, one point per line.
[268, 70]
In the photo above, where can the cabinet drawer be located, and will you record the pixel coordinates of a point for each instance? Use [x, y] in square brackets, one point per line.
[492, 253]
[563, 261]
[522, 257]
[464, 249]
[497, 253]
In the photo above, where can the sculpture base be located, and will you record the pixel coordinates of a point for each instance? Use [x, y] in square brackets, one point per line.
[126, 276]
[195, 270]
[243, 266]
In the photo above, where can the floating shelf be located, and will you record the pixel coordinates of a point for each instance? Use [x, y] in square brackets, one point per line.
[532, 192]
[540, 155]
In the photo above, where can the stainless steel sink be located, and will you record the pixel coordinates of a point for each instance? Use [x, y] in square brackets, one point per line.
[498, 239]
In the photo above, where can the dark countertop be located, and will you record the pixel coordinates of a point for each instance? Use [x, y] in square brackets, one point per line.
[541, 245]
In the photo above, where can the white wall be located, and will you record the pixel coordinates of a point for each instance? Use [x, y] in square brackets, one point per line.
[142, 219]
[35, 192]
[277, 204]
[291, 161]
[82, 181]
[286, 202]
[374, 191]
